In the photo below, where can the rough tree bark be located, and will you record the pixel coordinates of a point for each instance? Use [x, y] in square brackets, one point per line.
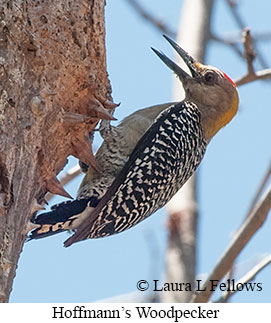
[53, 89]
[182, 209]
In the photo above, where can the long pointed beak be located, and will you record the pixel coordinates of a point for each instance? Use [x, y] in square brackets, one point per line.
[189, 61]
[173, 66]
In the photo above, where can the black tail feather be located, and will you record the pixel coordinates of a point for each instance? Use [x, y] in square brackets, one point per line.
[53, 222]
[61, 212]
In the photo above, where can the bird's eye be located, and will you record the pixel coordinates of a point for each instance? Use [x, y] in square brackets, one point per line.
[209, 77]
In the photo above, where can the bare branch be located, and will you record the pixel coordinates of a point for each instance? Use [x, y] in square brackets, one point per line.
[249, 56]
[262, 36]
[260, 75]
[235, 37]
[229, 276]
[155, 22]
[238, 19]
[262, 185]
[226, 296]
[249, 51]
[242, 25]
[253, 222]
[252, 206]
[227, 42]
[254, 271]
[233, 40]
[249, 276]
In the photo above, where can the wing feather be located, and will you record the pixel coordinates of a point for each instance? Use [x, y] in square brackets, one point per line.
[84, 229]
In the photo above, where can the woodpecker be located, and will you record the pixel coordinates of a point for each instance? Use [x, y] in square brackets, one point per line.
[118, 143]
[167, 154]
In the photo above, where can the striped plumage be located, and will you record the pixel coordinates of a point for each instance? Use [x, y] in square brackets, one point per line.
[162, 161]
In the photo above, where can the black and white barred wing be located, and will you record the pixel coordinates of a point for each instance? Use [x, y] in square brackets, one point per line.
[162, 161]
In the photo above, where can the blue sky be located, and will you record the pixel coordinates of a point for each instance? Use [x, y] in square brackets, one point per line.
[229, 175]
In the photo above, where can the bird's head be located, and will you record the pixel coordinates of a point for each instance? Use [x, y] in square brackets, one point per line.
[214, 93]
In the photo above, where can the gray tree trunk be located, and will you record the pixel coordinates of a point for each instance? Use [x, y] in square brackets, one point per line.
[52, 61]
